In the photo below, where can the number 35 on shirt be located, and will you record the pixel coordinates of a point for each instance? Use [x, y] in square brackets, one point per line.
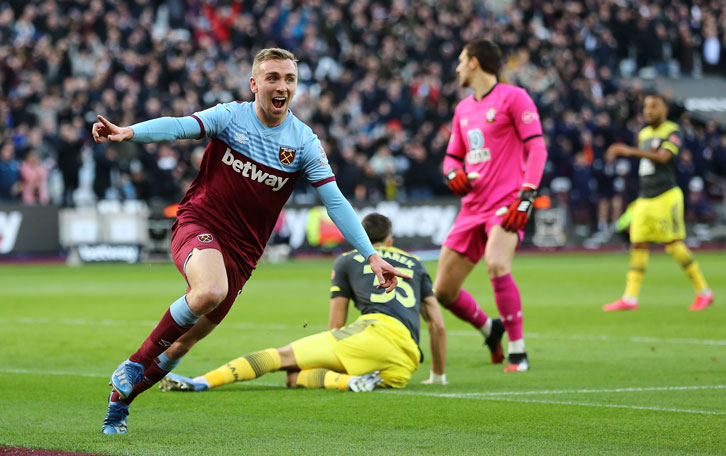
[406, 299]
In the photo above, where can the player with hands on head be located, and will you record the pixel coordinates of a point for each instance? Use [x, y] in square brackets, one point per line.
[256, 153]
[497, 134]
[380, 348]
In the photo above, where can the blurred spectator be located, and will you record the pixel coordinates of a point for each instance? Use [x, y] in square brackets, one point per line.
[383, 161]
[347, 173]
[718, 158]
[609, 202]
[10, 184]
[422, 177]
[34, 178]
[711, 50]
[69, 161]
[106, 169]
[685, 170]
[370, 74]
[697, 207]
[582, 190]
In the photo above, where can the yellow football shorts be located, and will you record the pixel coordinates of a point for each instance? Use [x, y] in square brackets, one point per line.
[659, 219]
[372, 342]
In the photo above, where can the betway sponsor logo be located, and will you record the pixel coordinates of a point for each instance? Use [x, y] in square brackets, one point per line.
[707, 104]
[106, 252]
[250, 171]
[9, 228]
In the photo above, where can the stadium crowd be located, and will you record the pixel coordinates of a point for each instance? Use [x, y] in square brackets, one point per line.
[376, 83]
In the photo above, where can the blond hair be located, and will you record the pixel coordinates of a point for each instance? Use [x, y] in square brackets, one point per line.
[272, 54]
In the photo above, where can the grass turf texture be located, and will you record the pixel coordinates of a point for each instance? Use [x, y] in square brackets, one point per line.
[654, 380]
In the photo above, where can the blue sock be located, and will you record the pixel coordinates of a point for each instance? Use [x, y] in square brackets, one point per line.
[181, 313]
[166, 363]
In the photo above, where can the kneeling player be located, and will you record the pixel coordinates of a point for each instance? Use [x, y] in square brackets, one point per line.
[379, 348]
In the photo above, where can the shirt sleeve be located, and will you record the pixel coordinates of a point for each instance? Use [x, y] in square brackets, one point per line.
[165, 129]
[315, 166]
[525, 115]
[426, 285]
[456, 147]
[673, 142]
[339, 281]
[213, 121]
[345, 218]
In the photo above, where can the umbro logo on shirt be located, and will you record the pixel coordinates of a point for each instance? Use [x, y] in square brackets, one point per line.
[241, 137]
[250, 171]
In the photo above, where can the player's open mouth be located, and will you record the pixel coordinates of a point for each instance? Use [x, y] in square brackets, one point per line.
[278, 102]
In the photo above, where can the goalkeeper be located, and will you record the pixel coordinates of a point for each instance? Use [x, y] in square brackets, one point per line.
[379, 349]
[495, 134]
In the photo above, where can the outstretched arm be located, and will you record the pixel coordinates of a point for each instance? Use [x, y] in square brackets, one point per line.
[345, 218]
[155, 130]
[661, 156]
[431, 313]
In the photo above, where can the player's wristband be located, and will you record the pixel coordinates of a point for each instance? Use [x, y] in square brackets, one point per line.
[437, 379]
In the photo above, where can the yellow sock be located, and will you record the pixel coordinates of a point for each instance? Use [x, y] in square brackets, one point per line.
[683, 256]
[247, 367]
[322, 378]
[634, 278]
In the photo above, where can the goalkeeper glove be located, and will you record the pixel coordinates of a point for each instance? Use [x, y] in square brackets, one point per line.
[518, 213]
[458, 182]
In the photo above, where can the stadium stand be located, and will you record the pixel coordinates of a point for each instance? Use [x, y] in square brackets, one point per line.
[376, 83]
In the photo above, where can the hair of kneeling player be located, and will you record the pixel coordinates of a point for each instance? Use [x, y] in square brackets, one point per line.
[378, 227]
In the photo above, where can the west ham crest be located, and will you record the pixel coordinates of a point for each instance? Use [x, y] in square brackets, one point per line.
[205, 238]
[287, 155]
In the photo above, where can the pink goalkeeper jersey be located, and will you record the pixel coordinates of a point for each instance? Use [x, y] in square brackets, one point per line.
[488, 136]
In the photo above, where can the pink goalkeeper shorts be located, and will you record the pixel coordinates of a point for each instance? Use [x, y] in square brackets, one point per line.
[470, 232]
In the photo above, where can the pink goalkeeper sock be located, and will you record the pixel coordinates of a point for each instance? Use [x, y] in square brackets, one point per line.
[509, 303]
[466, 308]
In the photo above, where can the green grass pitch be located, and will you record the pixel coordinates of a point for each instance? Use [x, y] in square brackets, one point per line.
[646, 382]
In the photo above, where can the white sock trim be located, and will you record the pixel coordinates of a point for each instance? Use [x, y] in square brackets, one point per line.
[516, 346]
[486, 329]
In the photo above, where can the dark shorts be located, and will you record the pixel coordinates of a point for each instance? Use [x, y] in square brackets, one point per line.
[189, 236]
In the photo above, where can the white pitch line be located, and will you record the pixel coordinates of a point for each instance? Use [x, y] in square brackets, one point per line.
[46, 372]
[285, 327]
[568, 391]
[477, 395]
[507, 397]
[622, 406]
[639, 339]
